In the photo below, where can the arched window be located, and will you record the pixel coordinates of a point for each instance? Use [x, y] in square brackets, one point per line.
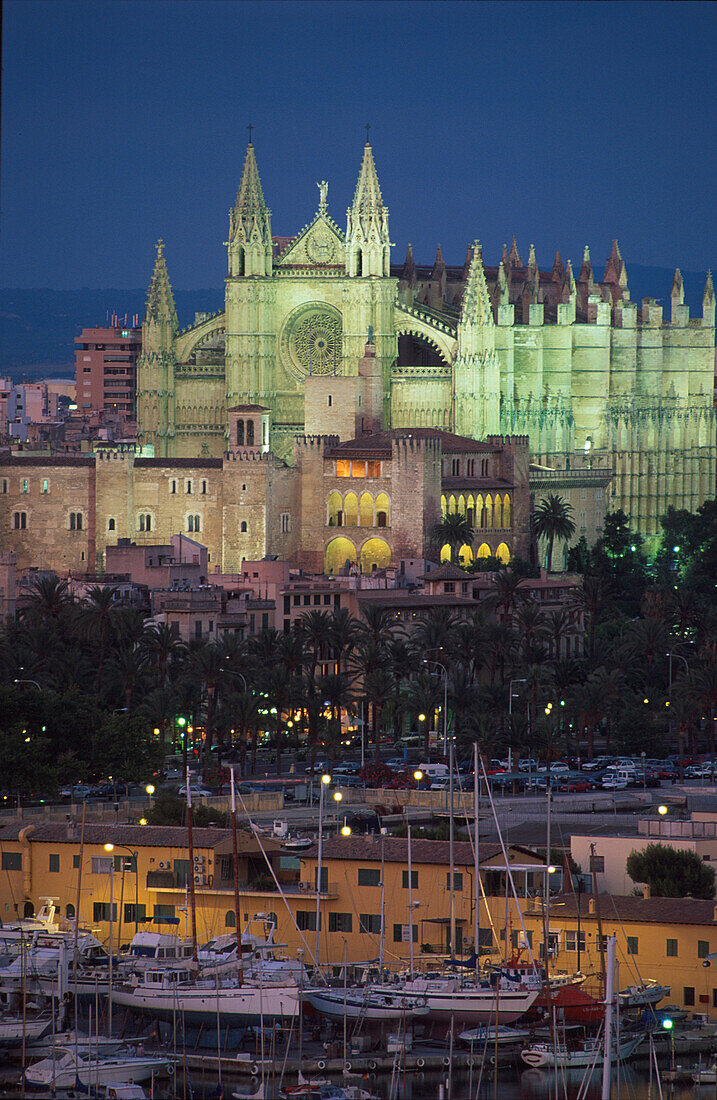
[242, 526]
[480, 514]
[503, 553]
[145, 522]
[375, 554]
[70, 911]
[72, 521]
[445, 553]
[497, 522]
[29, 909]
[351, 510]
[461, 505]
[382, 510]
[197, 523]
[250, 433]
[506, 510]
[443, 506]
[465, 554]
[336, 515]
[484, 551]
[338, 554]
[366, 510]
[111, 524]
[19, 521]
[452, 504]
[79, 521]
[488, 510]
[230, 920]
[240, 433]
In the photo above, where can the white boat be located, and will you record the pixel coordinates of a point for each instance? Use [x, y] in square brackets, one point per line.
[261, 957]
[649, 993]
[705, 1075]
[365, 1003]
[467, 999]
[12, 1029]
[490, 1035]
[169, 994]
[86, 1045]
[63, 1069]
[586, 1052]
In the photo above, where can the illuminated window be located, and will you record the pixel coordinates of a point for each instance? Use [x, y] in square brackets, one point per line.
[343, 467]
[373, 467]
[358, 468]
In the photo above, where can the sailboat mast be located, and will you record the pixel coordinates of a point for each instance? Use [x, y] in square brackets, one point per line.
[410, 900]
[451, 851]
[609, 997]
[476, 854]
[235, 866]
[192, 897]
[382, 946]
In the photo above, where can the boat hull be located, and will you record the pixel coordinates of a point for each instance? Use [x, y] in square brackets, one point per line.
[467, 1005]
[242, 1005]
[105, 1072]
[543, 1056]
[371, 1007]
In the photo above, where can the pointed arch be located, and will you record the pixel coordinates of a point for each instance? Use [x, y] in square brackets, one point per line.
[497, 512]
[338, 552]
[383, 510]
[445, 553]
[461, 505]
[506, 510]
[484, 551]
[350, 510]
[366, 516]
[444, 506]
[480, 514]
[488, 510]
[451, 504]
[465, 554]
[503, 553]
[375, 554]
[335, 511]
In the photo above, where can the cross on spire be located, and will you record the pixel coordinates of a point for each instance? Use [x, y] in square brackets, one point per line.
[368, 130]
[250, 128]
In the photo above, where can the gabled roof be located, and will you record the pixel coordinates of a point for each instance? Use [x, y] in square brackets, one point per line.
[370, 849]
[446, 572]
[382, 442]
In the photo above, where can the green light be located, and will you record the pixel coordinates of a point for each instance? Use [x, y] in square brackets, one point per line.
[181, 721]
[667, 1023]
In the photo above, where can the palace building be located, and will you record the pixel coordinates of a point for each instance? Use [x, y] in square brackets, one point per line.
[475, 351]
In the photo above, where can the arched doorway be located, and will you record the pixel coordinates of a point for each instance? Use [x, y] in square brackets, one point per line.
[375, 554]
[337, 554]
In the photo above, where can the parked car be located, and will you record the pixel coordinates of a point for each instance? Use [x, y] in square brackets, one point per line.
[576, 785]
[80, 791]
[195, 791]
[527, 765]
[612, 782]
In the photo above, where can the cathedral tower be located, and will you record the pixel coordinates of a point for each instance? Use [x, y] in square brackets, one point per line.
[476, 367]
[156, 365]
[249, 244]
[368, 248]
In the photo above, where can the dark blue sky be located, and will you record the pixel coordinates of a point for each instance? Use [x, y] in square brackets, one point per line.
[563, 123]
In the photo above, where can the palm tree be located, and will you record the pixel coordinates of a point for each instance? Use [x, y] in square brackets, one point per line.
[343, 634]
[424, 697]
[98, 615]
[378, 623]
[552, 520]
[161, 645]
[456, 531]
[592, 599]
[508, 591]
[378, 686]
[48, 597]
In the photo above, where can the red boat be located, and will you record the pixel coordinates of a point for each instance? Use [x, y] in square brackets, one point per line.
[571, 1003]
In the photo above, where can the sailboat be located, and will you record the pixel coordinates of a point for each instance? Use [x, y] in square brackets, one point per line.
[584, 1052]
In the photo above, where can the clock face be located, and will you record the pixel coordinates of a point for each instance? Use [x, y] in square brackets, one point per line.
[312, 341]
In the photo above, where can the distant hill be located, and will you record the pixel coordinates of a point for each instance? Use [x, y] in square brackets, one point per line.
[38, 326]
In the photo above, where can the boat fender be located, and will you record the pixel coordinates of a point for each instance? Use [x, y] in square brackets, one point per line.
[321, 1064]
[372, 1064]
[347, 1067]
[255, 1070]
[446, 1061]
[170, 1069]
[421, 1063]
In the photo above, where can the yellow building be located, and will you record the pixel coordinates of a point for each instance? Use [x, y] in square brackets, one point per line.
[668, 939]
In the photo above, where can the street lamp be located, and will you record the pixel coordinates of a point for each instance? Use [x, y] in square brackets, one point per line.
[110, 848]
[150, 791]
[325, 780]
[130, 867]
[29, 682]
[345, 830]
[444, 670]
[662, 810]
[670, 655]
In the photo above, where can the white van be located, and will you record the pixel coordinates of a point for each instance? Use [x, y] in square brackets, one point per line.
[434, 771]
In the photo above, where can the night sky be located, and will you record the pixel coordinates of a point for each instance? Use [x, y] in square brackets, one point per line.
[563, 123]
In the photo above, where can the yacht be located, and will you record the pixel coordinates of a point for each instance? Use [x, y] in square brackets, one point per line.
[166, 994]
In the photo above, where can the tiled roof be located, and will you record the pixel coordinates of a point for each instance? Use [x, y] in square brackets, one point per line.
[248, 408]
[180, 463]
[134, 836]
[653, 910]
[369, 849]
[446, 572]
[383, 441]
[48, 460]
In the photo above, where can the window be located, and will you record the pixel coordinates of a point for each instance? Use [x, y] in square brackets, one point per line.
[703, 949]
[130, 909]
[54, 863]
[173, 487]
[340, 922]
[111, 524]
[70, 911]
[76, 861]
[369, 876]
[230, 919]
[19, 521]
[25, 485]
[4, 485]
[188, 487]
[101, 911]
[145, 522]
[324, 879]
[306, 920]
[597, 864]
[242, 526]
[401, 933]
[45, 485]
[632, 945]
[689, 995]
[470, 467]
[250, 433]
[343, 467]
[370, 922]
[457, 880]
[574, 939]
[414, 880]
[285, 523]
[128, 861]
[671, 949]
[163, 911]
[101, 865]
[11, 861]
[455, 467]
[204, 488]
[329, 400]
[194, 524]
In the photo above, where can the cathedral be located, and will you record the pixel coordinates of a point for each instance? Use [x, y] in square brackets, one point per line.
[569, 362]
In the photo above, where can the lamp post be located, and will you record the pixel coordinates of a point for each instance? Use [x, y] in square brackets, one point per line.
[680, 755]
[444, 670]
[520, 680]
[29, 682]
[110, 848]
[150, 791]
[134, 856]
[325, 780]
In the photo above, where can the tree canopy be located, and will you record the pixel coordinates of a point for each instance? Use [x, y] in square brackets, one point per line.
[671, 873]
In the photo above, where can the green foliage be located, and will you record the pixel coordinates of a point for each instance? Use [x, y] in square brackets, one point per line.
[694, 561]
[671, 873]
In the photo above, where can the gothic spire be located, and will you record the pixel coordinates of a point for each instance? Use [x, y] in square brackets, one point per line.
[439, 266]
[368, 248]
[586, 269]
[558, 271]
[502, 291]
[467, 262]
[568, 290]
[615, 270]
[708, 298]
[532, 262]
[160, 300]
[409, 267]
[677, 294]
[250, 245]
[514, 257]
[475, 308]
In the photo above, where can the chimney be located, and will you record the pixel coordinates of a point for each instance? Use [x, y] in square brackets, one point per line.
[645, 890]
[591, 906]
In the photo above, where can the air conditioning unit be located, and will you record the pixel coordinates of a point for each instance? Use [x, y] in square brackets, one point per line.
[199, 859]
[198, 880]
[163, 865]
[304, 885]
